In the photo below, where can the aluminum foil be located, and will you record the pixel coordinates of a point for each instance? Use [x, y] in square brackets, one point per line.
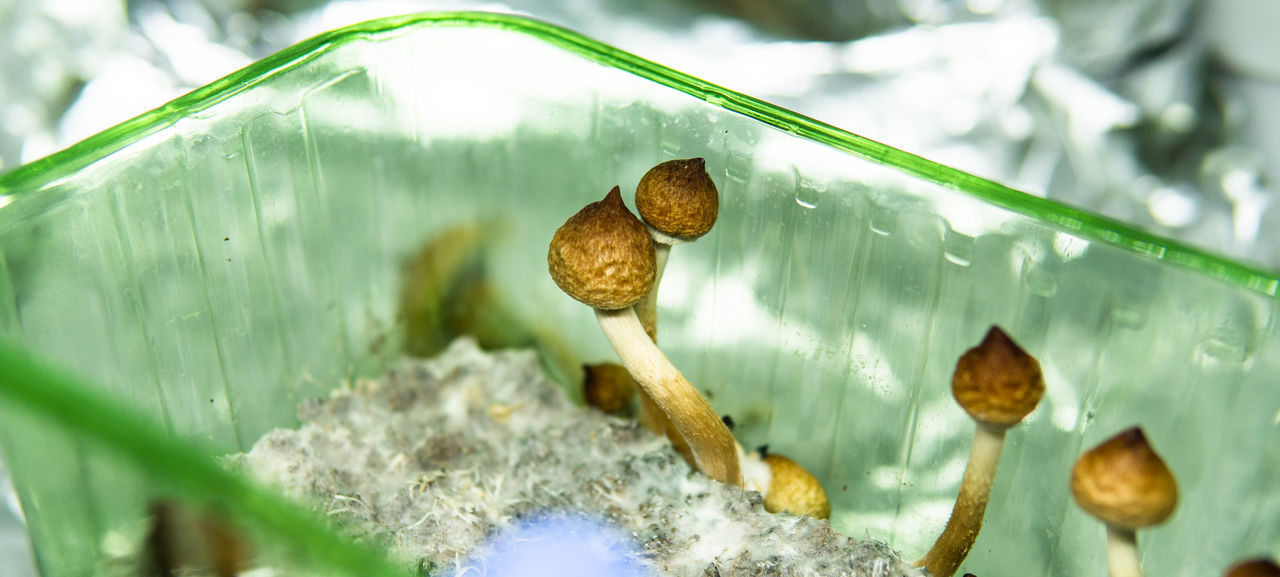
[1159, 113]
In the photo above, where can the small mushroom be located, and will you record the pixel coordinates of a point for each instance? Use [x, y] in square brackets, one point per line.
[1260, 567]
[608, 387]
[602, 256]
[1126, 485]
[183, 540]
[786, 485]
[679, 203]
[998, 384]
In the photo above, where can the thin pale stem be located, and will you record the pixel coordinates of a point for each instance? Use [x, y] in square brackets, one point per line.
[1122, 552]
[714, 450]
[962, 528]
[647, 308]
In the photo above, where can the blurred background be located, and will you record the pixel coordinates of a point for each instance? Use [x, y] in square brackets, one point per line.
[1164, 114]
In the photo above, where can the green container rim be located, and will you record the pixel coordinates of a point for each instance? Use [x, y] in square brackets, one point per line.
[37, 174]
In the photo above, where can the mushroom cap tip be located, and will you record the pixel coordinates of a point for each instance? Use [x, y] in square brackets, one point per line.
[1124, 483]
[997, 382]
[602, 256]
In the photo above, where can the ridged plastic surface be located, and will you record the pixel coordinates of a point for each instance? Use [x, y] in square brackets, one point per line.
[215, 262]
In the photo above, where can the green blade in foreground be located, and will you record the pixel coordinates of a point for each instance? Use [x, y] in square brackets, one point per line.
[64, 399]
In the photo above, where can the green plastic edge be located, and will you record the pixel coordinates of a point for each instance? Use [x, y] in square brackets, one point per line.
[1078, 222]
[68, 401]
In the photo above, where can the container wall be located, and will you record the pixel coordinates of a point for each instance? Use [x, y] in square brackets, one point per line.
[249, 256]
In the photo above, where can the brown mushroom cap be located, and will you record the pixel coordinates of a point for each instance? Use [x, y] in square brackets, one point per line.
[608, 387]
[997, 382]
[678, 198]
[1124, 482]
[1261, 567]
[794, 490]
[602, 256]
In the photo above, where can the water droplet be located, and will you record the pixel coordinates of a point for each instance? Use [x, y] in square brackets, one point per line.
[1128, 317]
[883, 220]
[958, 248]
[1222, 347]
[806, 197]
[1039, 281]
[738, 166]
[670, 141]
[1031, 264]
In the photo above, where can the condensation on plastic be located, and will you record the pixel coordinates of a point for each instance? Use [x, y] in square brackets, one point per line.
[214, 262]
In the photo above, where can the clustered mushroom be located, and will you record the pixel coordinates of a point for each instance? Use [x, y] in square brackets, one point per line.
[679, 203]
[603, 257]
[606, 258]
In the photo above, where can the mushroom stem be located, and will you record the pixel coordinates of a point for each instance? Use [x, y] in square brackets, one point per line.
[966, 517]
[1122, 552]
[998, 384]
[714, 449]
[651, 416]
[647, 308]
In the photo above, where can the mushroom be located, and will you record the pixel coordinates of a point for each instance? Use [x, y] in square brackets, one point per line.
[1260, 567]
[786, 485]
[603, 257]
[679, 203]
[608, 387]
[1126, 485]
[182, 538]
[998, 384]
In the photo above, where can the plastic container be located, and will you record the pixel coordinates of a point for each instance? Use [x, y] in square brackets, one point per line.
[211, 263]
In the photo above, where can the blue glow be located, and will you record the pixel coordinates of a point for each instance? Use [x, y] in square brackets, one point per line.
[557, 545]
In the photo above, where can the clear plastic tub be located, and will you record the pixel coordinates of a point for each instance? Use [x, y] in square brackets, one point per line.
[211, 263]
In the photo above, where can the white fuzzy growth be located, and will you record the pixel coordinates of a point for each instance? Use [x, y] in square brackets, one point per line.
[440, 455]
[757, 475]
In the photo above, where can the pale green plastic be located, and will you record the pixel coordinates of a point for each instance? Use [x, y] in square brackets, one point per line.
[213, 262]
